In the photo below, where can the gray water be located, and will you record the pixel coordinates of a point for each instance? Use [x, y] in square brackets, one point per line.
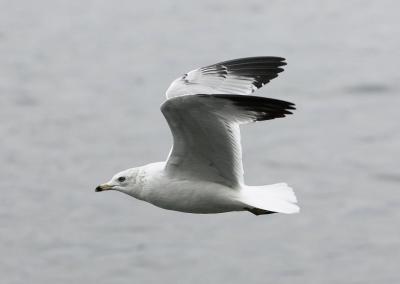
[80, 87]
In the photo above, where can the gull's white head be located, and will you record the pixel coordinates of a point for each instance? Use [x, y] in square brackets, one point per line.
[125, 181]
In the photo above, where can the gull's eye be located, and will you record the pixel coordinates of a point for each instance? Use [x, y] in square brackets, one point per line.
[121, 179]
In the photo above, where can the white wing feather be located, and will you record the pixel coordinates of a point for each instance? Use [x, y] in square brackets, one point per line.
[206, 133]
[239, 76]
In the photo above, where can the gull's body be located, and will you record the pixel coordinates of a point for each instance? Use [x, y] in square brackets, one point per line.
[185, 195]
[204, 171]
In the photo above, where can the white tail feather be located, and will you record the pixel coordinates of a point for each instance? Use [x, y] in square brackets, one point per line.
[275, 197]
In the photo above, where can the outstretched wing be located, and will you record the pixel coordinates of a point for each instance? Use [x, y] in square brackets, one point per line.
[239, 76]
[206, 133]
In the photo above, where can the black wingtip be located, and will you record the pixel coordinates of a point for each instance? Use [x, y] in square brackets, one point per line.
[264, 108]
[262, 69]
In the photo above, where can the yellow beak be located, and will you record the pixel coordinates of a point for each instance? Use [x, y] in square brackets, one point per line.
[103, 187]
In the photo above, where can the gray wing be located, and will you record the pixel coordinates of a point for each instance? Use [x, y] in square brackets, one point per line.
[206, 133]
[239, 76]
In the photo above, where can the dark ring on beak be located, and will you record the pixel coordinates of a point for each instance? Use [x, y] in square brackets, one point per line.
[103, 187]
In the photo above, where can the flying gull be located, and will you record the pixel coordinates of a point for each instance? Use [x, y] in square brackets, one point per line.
[204, 171]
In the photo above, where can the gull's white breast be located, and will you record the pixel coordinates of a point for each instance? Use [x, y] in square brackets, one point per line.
[185, 194]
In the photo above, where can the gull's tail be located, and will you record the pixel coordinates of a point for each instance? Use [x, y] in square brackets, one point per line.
[268, 199]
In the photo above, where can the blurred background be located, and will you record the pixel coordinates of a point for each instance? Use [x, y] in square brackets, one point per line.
[81, 83]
